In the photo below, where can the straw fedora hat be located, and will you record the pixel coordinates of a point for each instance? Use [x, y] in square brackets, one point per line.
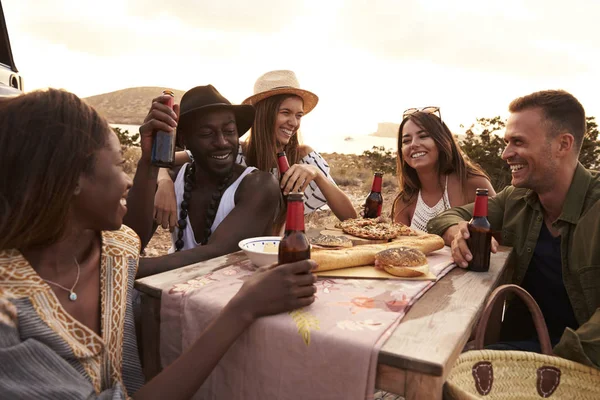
[281, 82]
[207, 98]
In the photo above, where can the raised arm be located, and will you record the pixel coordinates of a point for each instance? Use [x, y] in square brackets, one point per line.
[257, 201]
[181, 157]
[299, 176]
[140, 200]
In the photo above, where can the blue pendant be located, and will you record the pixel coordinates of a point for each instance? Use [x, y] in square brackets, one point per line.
[73, 296]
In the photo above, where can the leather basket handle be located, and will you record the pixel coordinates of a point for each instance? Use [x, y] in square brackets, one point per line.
[538, 319]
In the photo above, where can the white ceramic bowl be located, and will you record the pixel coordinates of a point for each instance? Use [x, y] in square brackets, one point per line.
[255, 249]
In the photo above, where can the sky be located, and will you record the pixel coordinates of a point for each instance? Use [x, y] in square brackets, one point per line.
[366, 60]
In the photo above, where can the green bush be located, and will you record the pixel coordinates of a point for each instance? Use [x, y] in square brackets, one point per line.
[126, 139]
[380, 159]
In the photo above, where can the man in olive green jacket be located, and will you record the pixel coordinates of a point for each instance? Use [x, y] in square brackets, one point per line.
[551, 217]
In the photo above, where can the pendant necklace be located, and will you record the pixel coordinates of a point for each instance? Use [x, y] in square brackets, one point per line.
[72, 294]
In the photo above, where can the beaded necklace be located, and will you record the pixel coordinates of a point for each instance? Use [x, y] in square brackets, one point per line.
[188, 186]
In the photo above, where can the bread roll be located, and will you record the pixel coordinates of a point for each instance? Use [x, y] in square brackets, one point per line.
[402, 261]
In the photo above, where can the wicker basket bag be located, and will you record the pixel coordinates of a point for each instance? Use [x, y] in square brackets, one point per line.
[493, 374]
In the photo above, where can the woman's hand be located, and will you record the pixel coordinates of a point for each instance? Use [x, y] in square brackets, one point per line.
[276, 289]
[160, 117]
[297, 178]
[165, 204]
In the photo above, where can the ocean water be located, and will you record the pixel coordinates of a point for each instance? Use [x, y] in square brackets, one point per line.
[326, 143]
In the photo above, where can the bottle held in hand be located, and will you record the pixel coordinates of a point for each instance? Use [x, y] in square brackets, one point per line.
[480, 234]
[294, 245]
[282, 163]
[163, 144]
[374, 202]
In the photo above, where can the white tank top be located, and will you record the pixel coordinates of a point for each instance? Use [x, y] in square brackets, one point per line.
[225, 206]
[423, 213]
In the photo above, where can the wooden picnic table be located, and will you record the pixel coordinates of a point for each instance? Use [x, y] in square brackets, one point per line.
[415, 360]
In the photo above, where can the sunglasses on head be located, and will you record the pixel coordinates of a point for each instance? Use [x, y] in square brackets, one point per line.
[427, 110]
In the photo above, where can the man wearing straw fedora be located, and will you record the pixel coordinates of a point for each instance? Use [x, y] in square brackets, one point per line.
[551, 217]
[219, 202]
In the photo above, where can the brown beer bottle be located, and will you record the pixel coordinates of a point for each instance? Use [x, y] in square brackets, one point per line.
[374, 202]
[294, 245]
[163, 145]
[480, 234]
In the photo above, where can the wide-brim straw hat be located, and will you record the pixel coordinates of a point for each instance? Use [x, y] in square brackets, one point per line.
[281, 82]
[207, 98]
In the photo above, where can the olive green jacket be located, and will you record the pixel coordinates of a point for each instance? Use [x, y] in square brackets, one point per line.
[517, 214]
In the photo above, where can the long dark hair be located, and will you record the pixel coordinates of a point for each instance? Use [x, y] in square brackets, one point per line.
[450, 159]
[261, 148]
[47, 140]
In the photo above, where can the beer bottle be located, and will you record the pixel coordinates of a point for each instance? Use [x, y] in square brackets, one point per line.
[374, 202]
[294, 245]
[282, 163]
[480, 234]
[163, 144]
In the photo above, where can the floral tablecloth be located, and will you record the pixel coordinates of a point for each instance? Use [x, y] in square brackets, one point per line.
[325, 351]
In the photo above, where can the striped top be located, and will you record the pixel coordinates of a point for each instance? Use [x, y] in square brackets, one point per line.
[423, 213]
[46, 353]
[313, 197]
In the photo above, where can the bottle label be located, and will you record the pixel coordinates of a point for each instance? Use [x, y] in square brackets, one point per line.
[481, 206]
[295, 216]
[282, 163]
[376, 184]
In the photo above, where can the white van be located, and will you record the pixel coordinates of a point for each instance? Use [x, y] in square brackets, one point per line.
[11, 83]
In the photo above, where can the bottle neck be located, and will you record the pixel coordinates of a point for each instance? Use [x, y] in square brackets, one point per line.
[295, 216]
[481, 206]
[169, 102]
[376, 184]
[282, 164]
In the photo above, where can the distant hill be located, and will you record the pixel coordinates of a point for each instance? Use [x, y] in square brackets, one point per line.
[387, 129]
[128, 106]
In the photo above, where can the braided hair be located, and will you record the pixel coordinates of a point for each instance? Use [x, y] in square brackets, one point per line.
[211, 212]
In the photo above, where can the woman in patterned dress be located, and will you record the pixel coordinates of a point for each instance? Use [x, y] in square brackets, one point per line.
[433, 175]
[67, 264]
[280, 106]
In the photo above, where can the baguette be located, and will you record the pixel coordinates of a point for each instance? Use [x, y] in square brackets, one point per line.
[328, 260]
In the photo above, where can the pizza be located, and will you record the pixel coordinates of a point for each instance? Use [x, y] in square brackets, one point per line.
[330, 241]
[375, 228]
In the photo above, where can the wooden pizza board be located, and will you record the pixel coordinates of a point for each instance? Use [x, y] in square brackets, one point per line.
[370, 272]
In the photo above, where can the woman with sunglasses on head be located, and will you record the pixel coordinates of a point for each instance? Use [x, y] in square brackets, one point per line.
[67, 264]
[280, 106]
[433, 174]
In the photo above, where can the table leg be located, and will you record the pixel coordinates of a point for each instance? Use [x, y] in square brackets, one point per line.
[390, 379]
[150, 334]
[421, 386]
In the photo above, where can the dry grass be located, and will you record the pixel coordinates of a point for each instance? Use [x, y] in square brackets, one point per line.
[346, 169]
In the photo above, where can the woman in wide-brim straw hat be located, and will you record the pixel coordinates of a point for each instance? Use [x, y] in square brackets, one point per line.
[280, 105]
